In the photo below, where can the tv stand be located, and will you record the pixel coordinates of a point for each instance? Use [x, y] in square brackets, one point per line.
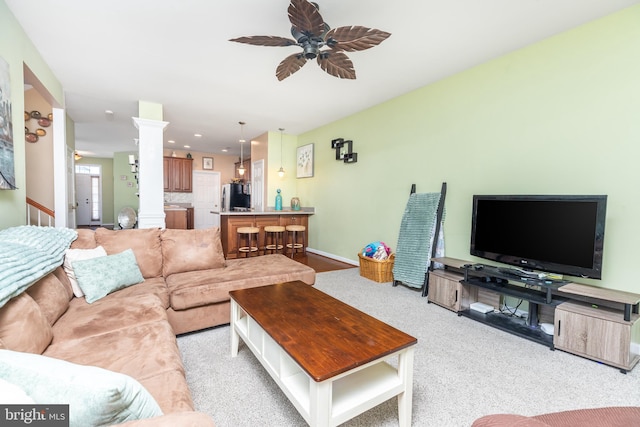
[596, 323]
[507, 283]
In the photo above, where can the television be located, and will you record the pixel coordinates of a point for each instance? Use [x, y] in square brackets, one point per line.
[554, 234]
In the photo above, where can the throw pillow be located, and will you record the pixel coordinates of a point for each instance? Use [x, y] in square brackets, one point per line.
[72, 255]
[96, 396]
[98, 277]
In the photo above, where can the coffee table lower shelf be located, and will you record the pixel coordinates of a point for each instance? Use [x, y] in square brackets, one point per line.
[337, 399]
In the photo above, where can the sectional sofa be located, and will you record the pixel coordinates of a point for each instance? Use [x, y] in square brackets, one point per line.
[112, 354]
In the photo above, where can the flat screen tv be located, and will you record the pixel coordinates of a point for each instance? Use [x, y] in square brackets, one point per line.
[556, 234]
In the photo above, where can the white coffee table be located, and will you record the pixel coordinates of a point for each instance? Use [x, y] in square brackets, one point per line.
[332, 361]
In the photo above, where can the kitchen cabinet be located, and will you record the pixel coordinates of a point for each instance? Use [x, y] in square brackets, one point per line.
[178, 175]
[190, 219]
[294, 220]
[176, 219]
[230, 223]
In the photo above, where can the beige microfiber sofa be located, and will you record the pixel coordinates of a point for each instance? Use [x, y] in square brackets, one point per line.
[596, 417]
[132, 331]
[188, 270]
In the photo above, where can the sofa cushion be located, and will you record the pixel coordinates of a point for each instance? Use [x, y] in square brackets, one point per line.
[101, 276]
[107, 315]
[196, 288]
[141, 351]
[86, 239]
[191, 250]
[145, 244]
[51, 296]
[23, 326]
[95, 396]
[154, 286]
[72, 255]
[173, 398]
[64, 280]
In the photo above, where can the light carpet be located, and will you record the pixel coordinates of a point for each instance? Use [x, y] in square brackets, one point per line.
[462, 369]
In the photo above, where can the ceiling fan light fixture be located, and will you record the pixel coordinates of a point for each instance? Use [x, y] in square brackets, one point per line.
[311, 33]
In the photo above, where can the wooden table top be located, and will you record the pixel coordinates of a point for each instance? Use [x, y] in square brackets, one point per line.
[325, 336]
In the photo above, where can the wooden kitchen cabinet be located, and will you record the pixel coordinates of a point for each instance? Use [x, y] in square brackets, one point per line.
[229, 225]
[294, 220]
[190, 219]
[178, 174]
[229, 232]
[176, 219]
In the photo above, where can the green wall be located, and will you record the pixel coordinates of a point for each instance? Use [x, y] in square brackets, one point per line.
[123, 195]
[559, 117]
[16, 49]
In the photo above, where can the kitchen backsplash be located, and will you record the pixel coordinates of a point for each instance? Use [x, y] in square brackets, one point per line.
[178, 197]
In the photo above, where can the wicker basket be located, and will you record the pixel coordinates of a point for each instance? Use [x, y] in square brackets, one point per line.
[378, 271]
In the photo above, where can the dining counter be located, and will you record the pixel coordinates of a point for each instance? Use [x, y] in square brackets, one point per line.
[230, 221]
[270, 211]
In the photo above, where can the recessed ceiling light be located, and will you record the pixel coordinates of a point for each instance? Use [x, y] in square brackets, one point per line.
[187, 146]
[224, 150]
[108, 112]
[171, 141]
[197, 135]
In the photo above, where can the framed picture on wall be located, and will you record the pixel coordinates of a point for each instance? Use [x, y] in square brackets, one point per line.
[304, 162]
[207, 163]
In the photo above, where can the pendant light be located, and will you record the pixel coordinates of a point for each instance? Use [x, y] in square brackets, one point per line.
[281, 170]
[241, 168]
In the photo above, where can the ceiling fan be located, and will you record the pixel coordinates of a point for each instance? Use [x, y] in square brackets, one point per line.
[319, 41]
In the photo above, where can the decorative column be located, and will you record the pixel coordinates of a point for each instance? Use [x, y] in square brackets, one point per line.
[151, 189]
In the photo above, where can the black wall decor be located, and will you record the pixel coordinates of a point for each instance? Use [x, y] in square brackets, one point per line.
[344, 150]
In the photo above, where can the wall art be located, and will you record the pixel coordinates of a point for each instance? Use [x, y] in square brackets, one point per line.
[304, 161]
[7, 169]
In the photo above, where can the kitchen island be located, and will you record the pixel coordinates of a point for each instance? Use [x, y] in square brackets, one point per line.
[231, 220]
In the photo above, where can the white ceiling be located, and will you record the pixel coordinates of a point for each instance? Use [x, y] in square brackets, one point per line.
[109, 55]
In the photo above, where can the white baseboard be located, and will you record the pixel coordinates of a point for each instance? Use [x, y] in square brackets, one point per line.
[332, 256]
[635, 348]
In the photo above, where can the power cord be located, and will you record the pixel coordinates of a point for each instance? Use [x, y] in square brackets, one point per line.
[505, 308]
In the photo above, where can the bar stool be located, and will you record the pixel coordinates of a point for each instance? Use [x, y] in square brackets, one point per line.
[249, 234]
[294, 231]
[273, 238]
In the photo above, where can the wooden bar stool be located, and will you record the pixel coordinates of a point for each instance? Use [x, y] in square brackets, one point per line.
[273, 238]
[247, 234]
[296, 232]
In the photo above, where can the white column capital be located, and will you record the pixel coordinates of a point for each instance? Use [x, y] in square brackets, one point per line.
[139, 122]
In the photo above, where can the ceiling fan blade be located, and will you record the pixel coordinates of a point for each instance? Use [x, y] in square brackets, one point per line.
[337, 64]
[290, 65]
[351, 39]
[265, 41]
[306, 18]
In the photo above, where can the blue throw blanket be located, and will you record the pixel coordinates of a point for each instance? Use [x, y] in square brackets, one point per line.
[28, 253]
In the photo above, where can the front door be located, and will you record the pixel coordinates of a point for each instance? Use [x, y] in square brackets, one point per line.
[88, 195]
